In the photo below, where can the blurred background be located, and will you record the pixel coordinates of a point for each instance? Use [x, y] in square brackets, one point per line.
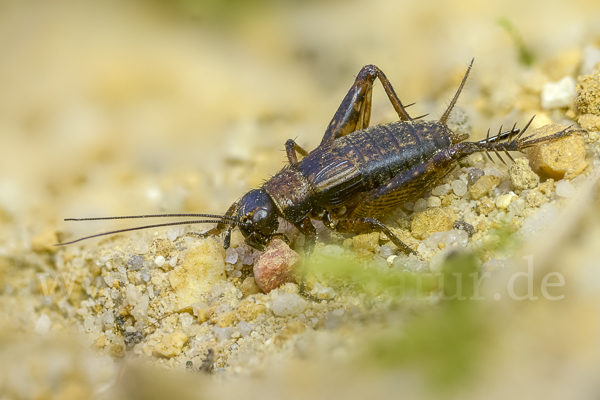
[129, 107]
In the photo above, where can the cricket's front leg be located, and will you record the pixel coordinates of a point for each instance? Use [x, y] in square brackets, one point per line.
[310, 237]
[368, 225]
[220, 227]
[291, 148]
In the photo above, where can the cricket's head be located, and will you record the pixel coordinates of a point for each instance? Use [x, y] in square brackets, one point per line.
[258, 219]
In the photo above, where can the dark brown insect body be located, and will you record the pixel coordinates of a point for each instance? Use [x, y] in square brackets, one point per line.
[358, 172]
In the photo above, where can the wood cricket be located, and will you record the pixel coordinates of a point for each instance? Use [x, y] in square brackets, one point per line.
[355, 175]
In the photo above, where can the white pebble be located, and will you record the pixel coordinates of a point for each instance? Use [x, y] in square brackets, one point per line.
[504, 201]
[108, 319]
[385, 251]
[173, 261]
[459, 187]
[564, 189]
[559, 94]
[140, 311]
[390, 260]
[408, 263]
[244, 328]
[441, 190]
[159, 261]
[434, 201]
[185, 319]
[493, 171]
[173, 234]
[223, 333]
[141, 247]
[217, 290]
[517, 206]
[323, 292]
[434, 240]
[132, 294]
[287, 304]
[89, 324]
[231, 256]
[42, 325]
[454, 237]
[591, 57]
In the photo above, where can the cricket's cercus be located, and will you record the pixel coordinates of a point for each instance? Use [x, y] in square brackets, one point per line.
[357, 173]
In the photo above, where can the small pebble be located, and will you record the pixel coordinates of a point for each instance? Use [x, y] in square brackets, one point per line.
[493, 171]
[483, 186]
[503, 201]
[390, 260]
[559, 94]
[434, 201]
[420, 206]
[591, 57]
[244, 328]
[185, 319]
[454, 237]
[517, 206]
[288, 305]
[171, 344]
[223, 333]
[173, 234]
[276, 266]
[145, 275]
[135, 262]
[474, 174]
[132, 338]
[590, 122]
[441, 190]
[141, 247]
[140, 311]
[522, 176]
[565, 189]
[588, 93]
[322, 292]
[42, 325]
[231, 256]
[459, 187]
[486, 206]
[159, 261]
[366, 241]
[385, 251]
[564, 157]
[434, 219]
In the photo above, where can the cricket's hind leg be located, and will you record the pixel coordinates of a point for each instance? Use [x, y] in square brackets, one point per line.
[355, 111]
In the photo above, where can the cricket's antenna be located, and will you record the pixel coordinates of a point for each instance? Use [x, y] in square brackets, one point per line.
[446, 114]
[221, 221]
[226, 217]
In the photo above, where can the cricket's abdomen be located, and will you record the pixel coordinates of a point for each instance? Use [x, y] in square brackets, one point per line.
[369, 158]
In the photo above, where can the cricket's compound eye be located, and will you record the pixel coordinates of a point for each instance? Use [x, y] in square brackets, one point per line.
[258, 209]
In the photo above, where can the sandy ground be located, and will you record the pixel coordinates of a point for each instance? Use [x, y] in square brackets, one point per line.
[119, 108]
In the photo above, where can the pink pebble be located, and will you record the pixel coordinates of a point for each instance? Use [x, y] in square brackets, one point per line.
[276, 266]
